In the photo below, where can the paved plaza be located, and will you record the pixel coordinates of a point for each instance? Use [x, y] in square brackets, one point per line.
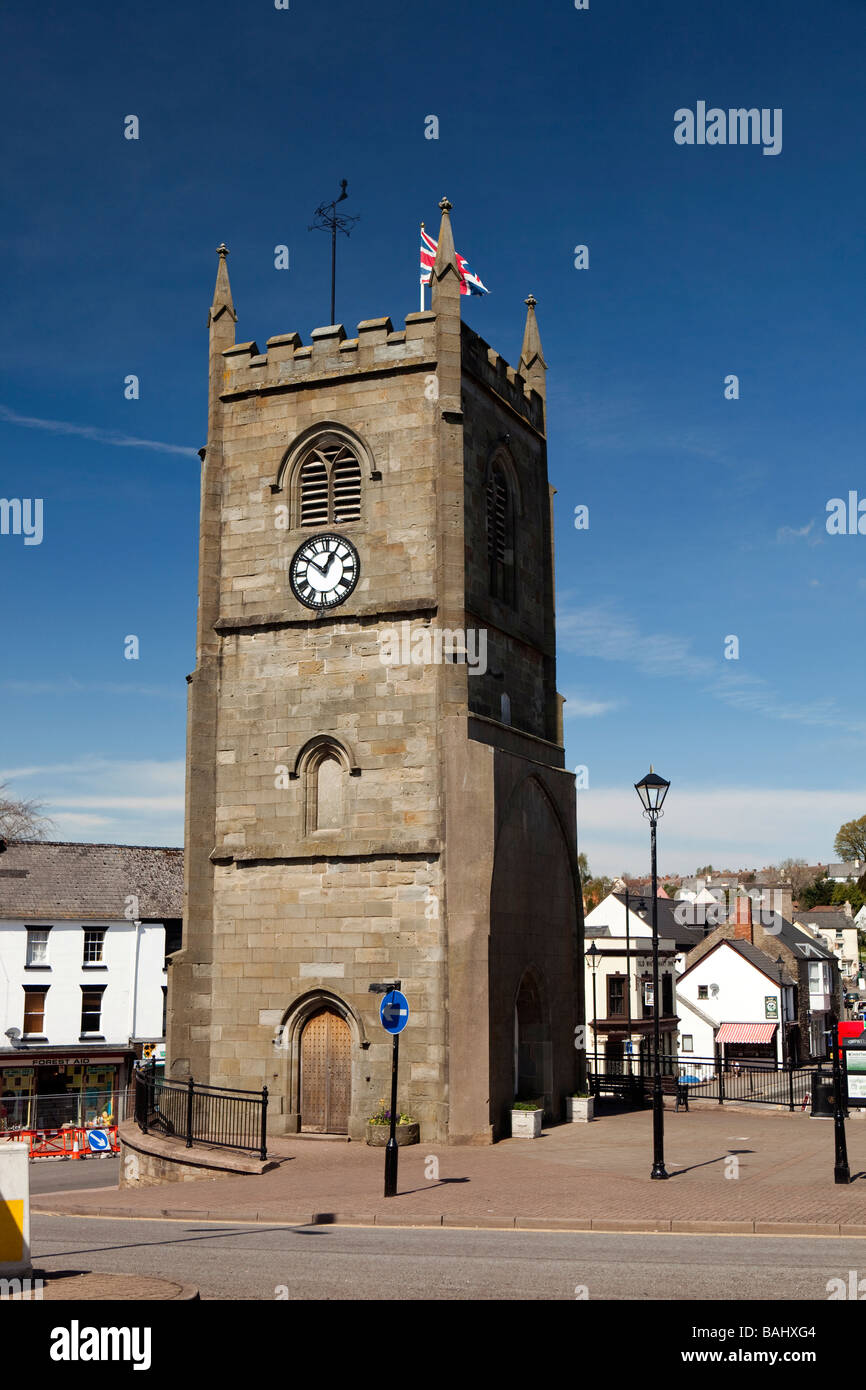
[745, 1170]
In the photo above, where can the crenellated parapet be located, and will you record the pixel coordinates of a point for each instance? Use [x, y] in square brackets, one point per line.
[288, 362]
[493, 372]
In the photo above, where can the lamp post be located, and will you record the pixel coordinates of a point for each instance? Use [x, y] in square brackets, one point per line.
[652, 791]
[593, 955]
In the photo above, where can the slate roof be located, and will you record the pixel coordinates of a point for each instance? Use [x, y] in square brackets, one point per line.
[804, 945]
[755, 956]
[853, 869]
[45, 879]
[669, 928]
[835, 920]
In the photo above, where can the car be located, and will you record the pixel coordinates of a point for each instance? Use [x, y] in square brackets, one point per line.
[852, 998]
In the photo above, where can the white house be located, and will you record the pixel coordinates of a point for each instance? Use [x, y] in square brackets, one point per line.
[619, 985]
[734, 1003]
[84, 933]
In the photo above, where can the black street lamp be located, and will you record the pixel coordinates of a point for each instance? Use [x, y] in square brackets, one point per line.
[652, 791]
[593, 955]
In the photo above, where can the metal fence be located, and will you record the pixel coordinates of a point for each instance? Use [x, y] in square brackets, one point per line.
[81, 1108]
[705, 1078]
[227, 1119]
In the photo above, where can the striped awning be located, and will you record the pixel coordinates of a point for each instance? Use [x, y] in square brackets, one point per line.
[746, 1032]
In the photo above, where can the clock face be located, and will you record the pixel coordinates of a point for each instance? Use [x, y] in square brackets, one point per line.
[324, 571]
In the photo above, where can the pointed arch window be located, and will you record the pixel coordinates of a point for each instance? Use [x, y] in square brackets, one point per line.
[325, 765]
[500, 535]
[329, 484]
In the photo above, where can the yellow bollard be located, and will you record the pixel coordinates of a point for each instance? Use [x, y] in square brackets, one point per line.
[15, 1210]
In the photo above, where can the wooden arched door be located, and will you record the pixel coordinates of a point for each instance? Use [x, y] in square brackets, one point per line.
[326, 1074]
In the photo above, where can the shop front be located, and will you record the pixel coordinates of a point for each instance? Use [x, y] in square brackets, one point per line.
[47, 1091]
[748, 1042]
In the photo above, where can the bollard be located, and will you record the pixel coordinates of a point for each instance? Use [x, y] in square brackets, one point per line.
[15, 1211]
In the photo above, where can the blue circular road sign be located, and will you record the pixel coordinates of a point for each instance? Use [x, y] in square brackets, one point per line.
[394, 1011]
[97, 1140]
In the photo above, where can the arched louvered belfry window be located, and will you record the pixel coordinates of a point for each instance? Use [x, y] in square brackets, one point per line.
[500, 535]
[329, 484]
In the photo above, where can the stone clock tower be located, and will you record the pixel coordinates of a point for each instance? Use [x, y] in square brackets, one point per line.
[375, 772]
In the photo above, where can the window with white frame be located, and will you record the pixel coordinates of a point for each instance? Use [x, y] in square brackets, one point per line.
[94, 943]
[688, 1042]
[34, 1011]
[91, 1010]
[37, 947]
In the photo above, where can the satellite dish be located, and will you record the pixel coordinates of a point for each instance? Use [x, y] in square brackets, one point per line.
[13, 1034]
[714, 991]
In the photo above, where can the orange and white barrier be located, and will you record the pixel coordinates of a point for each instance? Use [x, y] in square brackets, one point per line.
[66, 1143]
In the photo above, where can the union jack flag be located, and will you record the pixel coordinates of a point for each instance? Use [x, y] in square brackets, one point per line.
[469, 281]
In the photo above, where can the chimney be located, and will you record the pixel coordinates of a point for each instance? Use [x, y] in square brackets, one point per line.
[741, 917]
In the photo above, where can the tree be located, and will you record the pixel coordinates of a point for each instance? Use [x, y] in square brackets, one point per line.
[817, 894]
[797, 873]
[850, 843]
[707, 869]
[594, 889]
[849, 893]
[22, 820]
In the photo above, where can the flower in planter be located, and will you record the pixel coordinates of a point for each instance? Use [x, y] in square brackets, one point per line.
[526, 1105]
[383, 1115]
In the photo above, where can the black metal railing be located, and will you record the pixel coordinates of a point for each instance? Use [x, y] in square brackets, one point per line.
[217, 1115]
[705, 1078]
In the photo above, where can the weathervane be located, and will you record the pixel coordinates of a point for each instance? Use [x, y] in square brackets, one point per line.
[331, 221]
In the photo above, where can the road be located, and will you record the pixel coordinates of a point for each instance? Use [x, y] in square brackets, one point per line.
[251, 1262]
[68, 1174]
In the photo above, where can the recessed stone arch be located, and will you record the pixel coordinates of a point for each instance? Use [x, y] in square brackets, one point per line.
[532, 1061]
[295, 1018]
[535, 979]
[337, 747]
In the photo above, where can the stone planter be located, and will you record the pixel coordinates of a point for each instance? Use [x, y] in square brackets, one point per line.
[378, 1135]
[579, 1109]
[526, 1124]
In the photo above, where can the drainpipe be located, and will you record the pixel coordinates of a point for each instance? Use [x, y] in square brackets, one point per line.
[134, 1004]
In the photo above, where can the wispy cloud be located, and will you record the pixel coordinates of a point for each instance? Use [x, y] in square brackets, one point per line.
[795, 533]
[71, 823]
[579, 707]
[99, 436]
[124, 801]
[70, 686]
[607, 635]
[731, 827]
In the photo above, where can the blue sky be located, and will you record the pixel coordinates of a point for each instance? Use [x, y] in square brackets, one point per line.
[707, 516]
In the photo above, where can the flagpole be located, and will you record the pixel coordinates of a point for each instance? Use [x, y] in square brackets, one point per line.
[422, 282]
